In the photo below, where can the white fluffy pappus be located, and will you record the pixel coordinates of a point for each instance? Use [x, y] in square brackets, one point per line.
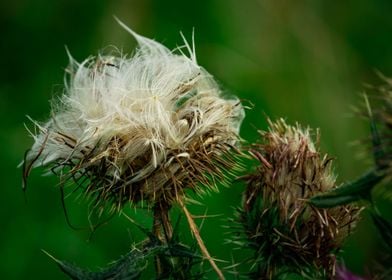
[139, 128]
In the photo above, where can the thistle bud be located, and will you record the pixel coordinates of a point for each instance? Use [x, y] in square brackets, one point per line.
[140, 128]
[289, 234]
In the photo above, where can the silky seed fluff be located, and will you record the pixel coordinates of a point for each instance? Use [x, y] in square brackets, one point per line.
[139, 128]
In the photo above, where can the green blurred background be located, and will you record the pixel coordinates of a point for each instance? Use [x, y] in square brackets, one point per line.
[306, 61]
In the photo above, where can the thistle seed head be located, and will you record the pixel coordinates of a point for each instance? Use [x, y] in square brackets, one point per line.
[139, 128]
[281, 225]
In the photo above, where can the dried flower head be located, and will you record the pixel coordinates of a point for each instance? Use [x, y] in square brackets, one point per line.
[140, 128]
[287, 232]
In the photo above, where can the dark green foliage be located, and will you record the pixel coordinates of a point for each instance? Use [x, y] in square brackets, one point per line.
[349, 192]
[129, 266]
[177, 261]
[384, 228]
[361, 188]
[381, 268]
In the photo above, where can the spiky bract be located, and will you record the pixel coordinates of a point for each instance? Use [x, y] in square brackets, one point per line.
[287, 233]
[140, 128]
[380, 114]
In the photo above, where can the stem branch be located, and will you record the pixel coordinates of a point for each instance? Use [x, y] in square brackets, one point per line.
[196, 233]
[161, 221]
[156, 230]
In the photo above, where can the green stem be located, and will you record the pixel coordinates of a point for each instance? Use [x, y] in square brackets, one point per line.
[162, 230]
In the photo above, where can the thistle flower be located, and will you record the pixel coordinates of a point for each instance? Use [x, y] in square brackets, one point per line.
[287, 233]
[139, 128]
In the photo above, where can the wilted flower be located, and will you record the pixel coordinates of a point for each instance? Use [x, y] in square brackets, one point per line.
[287, 233]
[140, 128]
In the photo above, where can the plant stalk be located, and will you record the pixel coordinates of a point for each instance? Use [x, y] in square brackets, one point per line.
[196, 234]
[161, 221]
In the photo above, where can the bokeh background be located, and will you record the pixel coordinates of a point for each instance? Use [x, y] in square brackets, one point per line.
[306, 61]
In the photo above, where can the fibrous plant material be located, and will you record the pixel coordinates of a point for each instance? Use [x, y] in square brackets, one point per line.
[139, 128]
[286, 232]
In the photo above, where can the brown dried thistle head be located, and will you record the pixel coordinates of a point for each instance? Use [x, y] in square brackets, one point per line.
[286, 230]
[140, 128]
